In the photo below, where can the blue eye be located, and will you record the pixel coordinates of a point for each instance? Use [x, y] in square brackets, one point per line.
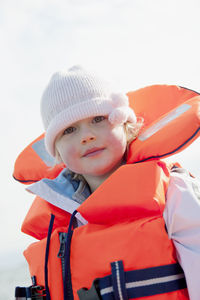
[69, 130]
[98, 119]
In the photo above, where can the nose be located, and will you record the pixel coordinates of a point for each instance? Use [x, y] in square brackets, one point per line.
[88, 137]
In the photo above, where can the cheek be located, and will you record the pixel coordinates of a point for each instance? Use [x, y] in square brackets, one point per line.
[66, 151]
[71, 151]
[118, 139]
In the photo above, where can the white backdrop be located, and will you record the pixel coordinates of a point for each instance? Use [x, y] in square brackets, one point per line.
[133, 43]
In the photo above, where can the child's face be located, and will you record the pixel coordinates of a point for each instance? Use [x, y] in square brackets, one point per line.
[92, 146]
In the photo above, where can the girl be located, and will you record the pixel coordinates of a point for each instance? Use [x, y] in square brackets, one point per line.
[131, 217]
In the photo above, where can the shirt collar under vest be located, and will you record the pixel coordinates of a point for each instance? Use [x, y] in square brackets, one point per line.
[63, 191]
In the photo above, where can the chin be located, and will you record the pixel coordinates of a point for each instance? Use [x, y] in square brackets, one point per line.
[101, 172]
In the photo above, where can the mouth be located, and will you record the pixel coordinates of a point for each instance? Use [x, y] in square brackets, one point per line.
[93, 152]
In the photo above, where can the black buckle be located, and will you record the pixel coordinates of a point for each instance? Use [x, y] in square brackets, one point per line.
[91, 294]
[36, 292]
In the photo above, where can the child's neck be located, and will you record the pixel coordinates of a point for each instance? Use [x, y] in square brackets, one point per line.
[94, 181]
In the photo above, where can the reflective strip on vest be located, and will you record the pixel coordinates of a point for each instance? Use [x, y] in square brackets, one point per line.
[164, 121]
[141, 283]
[40, 149]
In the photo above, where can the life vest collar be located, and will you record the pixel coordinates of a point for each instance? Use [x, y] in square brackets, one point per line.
[130, 183]
[104, 205]
[171, 122]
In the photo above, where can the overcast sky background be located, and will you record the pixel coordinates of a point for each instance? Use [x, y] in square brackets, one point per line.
[134, 43]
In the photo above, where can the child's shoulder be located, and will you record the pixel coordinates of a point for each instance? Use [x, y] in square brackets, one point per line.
[182, 199]
[182, 179]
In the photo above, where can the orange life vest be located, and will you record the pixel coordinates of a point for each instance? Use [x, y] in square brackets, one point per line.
[125, 223]
[124, 214]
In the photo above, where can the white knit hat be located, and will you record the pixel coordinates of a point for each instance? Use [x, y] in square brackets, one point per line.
[76, 95]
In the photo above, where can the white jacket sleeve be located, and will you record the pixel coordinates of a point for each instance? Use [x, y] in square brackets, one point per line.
[182, 219]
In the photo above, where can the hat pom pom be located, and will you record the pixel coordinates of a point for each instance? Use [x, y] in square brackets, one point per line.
[121, 115]
[119, 99]
[118, 116]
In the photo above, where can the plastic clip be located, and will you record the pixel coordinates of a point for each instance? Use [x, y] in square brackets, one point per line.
[36, 292]
[91, 294]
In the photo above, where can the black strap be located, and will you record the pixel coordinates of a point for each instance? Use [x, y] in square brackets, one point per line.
[121, 285]
[143, 282]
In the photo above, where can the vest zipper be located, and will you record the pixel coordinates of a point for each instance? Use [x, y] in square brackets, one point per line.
[64, 254]
[61, 253]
